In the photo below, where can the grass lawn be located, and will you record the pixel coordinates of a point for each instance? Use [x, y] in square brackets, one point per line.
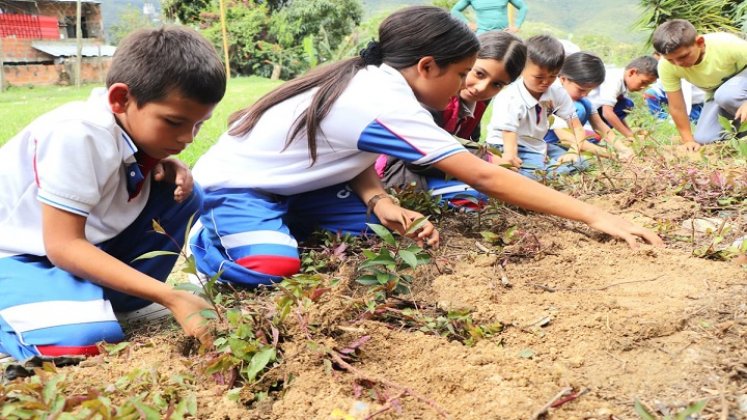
[19, 106]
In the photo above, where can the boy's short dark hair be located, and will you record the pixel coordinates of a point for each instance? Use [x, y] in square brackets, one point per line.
[584, 68]
[546, 52]
[645, 65]
[154, 62]
[673, 34]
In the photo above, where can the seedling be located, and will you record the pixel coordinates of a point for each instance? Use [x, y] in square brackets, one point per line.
[388, 270]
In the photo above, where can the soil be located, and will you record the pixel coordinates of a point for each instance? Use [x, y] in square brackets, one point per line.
[584, 312]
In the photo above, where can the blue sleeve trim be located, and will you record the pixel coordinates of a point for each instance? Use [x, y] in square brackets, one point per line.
[63, 206]
[377, 138]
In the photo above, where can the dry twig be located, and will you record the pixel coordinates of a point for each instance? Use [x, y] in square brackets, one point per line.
[542, 411]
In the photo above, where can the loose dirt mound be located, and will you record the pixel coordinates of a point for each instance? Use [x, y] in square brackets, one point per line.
[651, 324]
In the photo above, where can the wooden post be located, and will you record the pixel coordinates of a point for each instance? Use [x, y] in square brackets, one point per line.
[79, 38]
[102, 76]
[225, 37]
[2, 69]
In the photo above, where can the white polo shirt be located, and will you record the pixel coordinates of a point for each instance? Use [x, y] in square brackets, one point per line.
[377, 114]
[611, 89]
[516, 110]
[75, 158]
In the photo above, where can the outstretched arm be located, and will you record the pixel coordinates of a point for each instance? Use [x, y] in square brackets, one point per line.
[67, 248]
[513, 188]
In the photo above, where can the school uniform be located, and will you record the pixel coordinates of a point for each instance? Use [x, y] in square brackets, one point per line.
[516, 110]
[612, 92]
[459, 119]
[721, 74]
[77, 159]
[261, 193]
[656, 99]
[584, 111]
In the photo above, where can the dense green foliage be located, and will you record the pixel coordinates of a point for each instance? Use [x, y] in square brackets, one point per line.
[130, 19]
[706, 15]
[277, 39]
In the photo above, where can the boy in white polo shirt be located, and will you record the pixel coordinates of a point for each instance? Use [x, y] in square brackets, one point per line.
[521, 114]
[82, 185]
[716, 63]
[610, 99]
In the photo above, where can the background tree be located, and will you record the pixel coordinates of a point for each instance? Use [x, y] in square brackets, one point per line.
[131, 19]
[184, 11]
[705, 15]
[278, 38]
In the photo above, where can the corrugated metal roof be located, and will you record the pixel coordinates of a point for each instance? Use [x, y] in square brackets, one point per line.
[64, 49]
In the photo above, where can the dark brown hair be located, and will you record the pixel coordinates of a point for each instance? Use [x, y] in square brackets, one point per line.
[645, 64]
[584, 68]
[546, 52]
[504, 47]
[673, 34]
[155, 62]
[405, 37]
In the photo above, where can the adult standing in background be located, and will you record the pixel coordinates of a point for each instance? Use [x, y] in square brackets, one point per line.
[492, 15]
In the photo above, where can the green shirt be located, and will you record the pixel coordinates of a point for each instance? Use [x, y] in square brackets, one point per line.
[725, 55]
[491, 15]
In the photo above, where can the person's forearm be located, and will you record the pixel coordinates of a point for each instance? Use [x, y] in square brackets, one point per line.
[681, 121]
[83, 259]
[510, 144]
[511, 187]
[522, 8]
[367, 184]
[615, 122]
[587, 146]
[579, 135]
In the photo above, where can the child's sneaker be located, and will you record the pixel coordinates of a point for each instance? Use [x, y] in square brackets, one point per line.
[152, 312]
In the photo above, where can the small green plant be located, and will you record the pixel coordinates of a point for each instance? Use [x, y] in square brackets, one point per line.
[325, 251]
[246, 338]
[455, 325]
[301, 291]
[413, 198]
[388, 269]
[712, 250]
[646, 413]
[140, 394]
[732, 134]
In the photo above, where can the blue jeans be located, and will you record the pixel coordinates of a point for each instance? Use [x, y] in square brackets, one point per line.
[537, 166]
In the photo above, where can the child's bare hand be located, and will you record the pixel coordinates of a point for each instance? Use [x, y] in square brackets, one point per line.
[623, 229]
[741, 113]
[399, 219]
[625, 154]
[691, 146]
[186, 308]
[513, 162]
[176, 172]
[569, 157]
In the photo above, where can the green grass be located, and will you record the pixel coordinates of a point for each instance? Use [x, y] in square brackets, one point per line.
[20, 106]
[241, 92]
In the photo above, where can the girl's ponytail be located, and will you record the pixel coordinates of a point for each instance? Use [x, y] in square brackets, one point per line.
[405, 37]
